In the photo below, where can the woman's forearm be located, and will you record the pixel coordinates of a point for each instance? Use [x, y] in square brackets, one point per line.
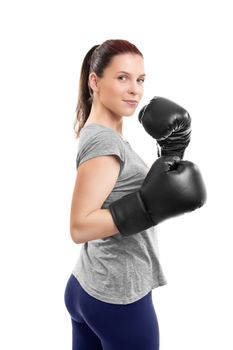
[97, 224]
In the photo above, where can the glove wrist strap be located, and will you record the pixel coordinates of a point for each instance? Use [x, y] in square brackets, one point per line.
[130, 215]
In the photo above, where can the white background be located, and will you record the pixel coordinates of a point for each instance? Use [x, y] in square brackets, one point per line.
[188, 59]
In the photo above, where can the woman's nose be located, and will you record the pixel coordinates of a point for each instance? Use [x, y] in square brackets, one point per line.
[134, 88]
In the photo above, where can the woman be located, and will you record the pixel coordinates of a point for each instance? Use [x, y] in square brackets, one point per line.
[108, 294]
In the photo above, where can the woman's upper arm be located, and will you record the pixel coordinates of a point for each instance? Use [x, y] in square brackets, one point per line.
[95, 180]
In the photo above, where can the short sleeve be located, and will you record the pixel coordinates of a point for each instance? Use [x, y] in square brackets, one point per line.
[102, 143]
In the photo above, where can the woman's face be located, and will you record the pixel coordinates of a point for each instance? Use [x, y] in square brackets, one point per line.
[121, 87]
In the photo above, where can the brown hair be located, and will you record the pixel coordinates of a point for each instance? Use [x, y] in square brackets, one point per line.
[96, 60]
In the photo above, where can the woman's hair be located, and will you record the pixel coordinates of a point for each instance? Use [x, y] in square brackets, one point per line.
[96, 60]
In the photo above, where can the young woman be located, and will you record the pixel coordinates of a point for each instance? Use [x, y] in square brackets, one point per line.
[108, 294]
[118, 202]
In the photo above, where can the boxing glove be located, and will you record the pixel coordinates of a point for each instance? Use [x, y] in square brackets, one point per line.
[169, 124]
[170, 188]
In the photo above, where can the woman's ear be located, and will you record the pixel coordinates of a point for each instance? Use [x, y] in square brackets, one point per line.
[93, 82]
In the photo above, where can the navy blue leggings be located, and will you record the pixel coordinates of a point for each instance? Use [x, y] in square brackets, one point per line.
[97, 325]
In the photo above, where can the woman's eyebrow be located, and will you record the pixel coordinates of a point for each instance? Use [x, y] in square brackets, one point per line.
[140, 75]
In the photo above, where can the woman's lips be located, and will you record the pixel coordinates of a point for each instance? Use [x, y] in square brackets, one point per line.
[131, 102]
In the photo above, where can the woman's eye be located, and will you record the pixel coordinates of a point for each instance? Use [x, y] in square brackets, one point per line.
[122, 77]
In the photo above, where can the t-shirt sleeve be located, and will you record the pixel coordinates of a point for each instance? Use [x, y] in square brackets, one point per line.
[101, 144]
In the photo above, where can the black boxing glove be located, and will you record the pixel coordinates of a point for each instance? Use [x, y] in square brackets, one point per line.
[169, 124]
[171, 187]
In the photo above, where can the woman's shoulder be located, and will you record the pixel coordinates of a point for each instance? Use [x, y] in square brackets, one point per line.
[97, 140]
[98, 132]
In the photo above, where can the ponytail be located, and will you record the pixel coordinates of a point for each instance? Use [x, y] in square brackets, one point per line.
[85, 96]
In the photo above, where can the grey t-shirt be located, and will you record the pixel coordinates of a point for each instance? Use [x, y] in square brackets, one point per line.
[117, 269]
